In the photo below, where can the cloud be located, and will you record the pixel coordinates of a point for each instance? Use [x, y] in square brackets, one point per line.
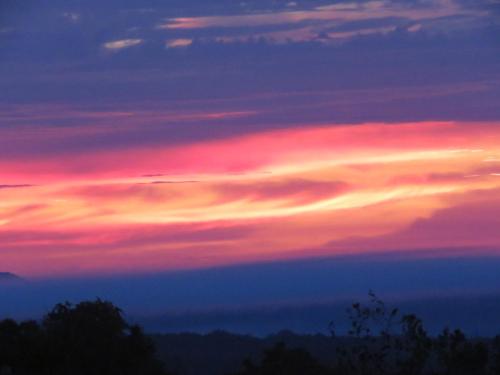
[306, 34]
[6, 30]
[257, 197]
[414, 28]
[15, 186]
[264, 145]
[117, 45]
[177, 43]
[327, 22]
[294, 190]
[72, 17]
[471, 221]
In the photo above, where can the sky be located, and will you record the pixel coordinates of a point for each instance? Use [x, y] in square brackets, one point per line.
[144, 137]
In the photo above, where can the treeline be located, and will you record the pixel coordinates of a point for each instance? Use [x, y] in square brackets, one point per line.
[93, 338]
[385, 342]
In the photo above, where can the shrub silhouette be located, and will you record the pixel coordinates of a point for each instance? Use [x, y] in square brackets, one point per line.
[386, 342]
[90, 338]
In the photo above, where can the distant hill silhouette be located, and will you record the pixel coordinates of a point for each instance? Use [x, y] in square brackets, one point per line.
[8, 277]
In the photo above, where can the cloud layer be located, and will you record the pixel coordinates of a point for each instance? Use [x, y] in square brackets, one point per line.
[272, 195]
[139, 136]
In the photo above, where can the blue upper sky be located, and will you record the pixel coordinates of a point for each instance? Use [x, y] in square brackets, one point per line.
[277, 63]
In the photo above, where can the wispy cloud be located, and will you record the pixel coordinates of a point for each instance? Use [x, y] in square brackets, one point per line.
[341, 12]
[243, 132]
[14, 186]
[326, 22]
[317, 185]
[72, 17]
[117, 45]
[177, 43]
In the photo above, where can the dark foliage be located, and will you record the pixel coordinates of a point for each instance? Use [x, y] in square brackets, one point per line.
[384, 342]
[283, 361]
[91, 338]
[394, 344]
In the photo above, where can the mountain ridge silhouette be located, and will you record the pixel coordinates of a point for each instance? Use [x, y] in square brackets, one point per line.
[8, 276]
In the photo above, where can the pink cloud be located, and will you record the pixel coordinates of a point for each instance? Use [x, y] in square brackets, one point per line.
[471, 222]
[263, 196]
[324, 23]
[336, 12]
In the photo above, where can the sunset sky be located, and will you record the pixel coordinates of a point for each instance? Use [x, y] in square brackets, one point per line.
[139, 137]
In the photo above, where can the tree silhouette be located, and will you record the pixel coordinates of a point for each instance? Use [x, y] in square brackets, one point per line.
[90, 338]
[387, 343]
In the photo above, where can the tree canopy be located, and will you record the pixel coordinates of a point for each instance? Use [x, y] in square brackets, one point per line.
[90, 338]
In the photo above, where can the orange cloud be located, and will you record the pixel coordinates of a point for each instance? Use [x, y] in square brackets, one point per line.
[270, 195]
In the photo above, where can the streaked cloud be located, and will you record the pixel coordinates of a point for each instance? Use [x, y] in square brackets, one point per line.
[307, 34]
[14, 186]
[176, 43]
[232, 200]
[121, 44]
[414, 28]
[337, 12]
[328, 22]
[244, 132]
